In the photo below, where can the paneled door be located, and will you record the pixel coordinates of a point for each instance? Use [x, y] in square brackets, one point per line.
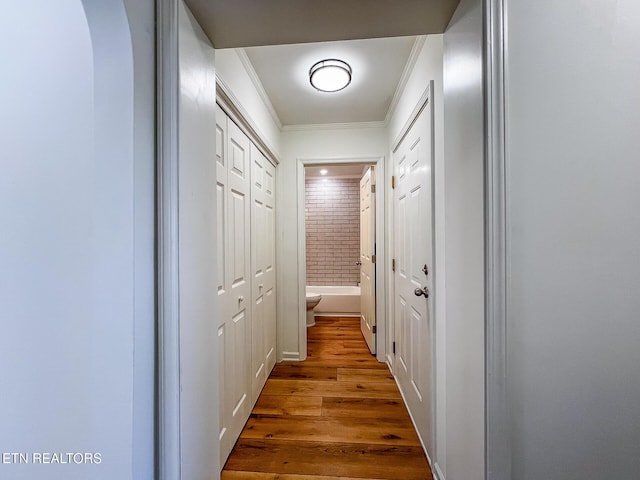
[234, 274]
[269, 285]
[413, 245]
[263, 330]
[367, 259]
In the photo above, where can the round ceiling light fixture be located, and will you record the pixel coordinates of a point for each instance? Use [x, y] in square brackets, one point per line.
[330, 75]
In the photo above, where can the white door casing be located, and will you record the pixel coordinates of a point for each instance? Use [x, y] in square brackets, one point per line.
[380, 227]
[413, 227]
[234, 293]
[367, 259]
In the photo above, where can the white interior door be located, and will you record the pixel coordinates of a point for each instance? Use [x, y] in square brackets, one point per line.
[233, 230]
[263, 331]
[367, 259]
[269, 262]
[414, 254]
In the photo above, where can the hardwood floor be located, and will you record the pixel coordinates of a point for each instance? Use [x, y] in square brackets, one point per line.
[336, 416]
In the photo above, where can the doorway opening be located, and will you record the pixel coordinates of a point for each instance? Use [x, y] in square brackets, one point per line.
[333, 240]
[342, 241]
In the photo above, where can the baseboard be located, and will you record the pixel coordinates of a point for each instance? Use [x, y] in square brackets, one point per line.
[437, 472]
[290, 356]
[333, 314]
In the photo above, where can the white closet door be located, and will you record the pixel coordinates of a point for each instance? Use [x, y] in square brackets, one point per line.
[262, 268]
[234, 329]
[269, 284]
[258, 368]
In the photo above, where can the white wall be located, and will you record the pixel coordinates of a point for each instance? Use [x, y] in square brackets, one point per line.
[141, 16]
[573, 183]
[76, 205]
[318, 143]
[232, 71]
[199, 416]
[429, 67]
[464, 231]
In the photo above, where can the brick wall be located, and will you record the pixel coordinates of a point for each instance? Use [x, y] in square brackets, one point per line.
[332, 208]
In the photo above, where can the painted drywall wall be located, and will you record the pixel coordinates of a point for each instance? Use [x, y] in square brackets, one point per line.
[573, 190]
[76, 281]
[463, 428]
[362, 142]
[141, 15]
[233, 72]
[429, 67]
[199, 443]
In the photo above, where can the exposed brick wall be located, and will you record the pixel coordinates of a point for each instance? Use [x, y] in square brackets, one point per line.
[332, 230]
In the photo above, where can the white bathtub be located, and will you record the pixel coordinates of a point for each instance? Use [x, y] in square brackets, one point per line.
[337, 301]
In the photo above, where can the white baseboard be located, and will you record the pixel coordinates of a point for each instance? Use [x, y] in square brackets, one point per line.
[437, 472]
[291, 356]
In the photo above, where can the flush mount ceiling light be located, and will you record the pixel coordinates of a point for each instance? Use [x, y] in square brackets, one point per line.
[330, 75]
[323, 171]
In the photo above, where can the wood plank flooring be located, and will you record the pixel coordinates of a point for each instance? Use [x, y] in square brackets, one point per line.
[336, 416]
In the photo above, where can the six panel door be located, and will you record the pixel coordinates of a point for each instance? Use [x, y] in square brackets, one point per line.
[245, 182]
[414, 254]
[234, 328]
[367, 256]
[263, 270]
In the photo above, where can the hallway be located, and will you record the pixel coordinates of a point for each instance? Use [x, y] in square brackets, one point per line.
[337, 415]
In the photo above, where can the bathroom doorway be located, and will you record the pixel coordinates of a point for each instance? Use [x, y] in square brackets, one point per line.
[338, 252]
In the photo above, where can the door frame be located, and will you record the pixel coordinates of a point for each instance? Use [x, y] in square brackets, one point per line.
[168, 453]
[497, 412]
[381, 251]
[168, 457]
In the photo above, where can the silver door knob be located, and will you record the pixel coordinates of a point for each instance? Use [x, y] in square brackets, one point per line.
[422, 291]
[358, 263]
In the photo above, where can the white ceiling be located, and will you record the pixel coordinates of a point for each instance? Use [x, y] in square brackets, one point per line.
[244, 23]
[333, 171]
[377, 66]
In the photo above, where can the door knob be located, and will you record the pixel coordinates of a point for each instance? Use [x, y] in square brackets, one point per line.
[422, 291]
[425, 269]
[358, 263]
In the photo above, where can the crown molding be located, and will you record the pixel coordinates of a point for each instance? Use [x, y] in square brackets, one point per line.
[248, 66]
[332, 126]
[232, 107]
[404, 78]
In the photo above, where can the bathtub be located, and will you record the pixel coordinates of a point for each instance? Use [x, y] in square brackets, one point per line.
[337, 301]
